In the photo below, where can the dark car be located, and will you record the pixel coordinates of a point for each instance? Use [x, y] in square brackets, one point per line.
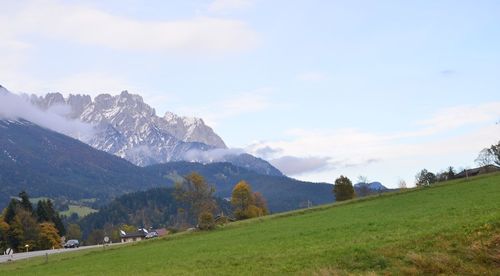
[72, 244]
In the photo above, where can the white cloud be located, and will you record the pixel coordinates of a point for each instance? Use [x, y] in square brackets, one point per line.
[243, 103]
[14, 107]
[291, 165]
[353, 150]
[59, 20]
[312, 76]
[218, 6]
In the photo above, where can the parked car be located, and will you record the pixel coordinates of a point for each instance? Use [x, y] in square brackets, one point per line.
[72, 244]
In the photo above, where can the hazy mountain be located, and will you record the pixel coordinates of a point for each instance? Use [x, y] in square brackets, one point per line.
[364, 189]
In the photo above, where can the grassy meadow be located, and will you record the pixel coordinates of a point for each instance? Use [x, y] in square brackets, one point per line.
[453, 228]
[80, 210]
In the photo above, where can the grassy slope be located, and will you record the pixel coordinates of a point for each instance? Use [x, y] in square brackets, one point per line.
[444, 229]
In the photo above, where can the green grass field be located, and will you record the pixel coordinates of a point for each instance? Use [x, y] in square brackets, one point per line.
[80, 210]
[450, 229]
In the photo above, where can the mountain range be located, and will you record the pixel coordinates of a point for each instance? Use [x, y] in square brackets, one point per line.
[129, 149]
[124, 125]
[49, 164]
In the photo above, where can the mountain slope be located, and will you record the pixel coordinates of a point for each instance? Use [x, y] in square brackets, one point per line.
[46, 163]
[282, 193]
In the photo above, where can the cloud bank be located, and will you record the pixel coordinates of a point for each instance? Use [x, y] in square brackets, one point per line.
[14, 107]
[291, 165]
[91, 26]
[209, 156]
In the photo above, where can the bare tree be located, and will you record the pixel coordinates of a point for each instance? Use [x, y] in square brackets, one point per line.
[402, 184]
[363, 189]
[484, 158]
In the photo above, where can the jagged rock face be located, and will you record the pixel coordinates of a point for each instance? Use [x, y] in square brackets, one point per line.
[129, 128]
[190, 130]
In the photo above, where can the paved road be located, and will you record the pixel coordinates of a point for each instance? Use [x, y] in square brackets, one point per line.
[21, 256]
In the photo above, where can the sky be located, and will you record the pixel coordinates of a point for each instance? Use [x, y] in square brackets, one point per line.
[320, 89]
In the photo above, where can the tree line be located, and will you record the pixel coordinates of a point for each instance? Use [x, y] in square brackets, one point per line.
[23, 227]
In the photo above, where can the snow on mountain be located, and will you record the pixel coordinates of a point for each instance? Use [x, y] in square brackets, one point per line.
[128, 127]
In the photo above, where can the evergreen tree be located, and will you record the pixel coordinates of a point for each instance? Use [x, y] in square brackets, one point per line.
[10, 211]
[46, 213]
[25, 201]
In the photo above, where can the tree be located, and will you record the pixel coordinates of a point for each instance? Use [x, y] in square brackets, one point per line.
[23, 230]
[495, 152]
[95, 237]
[10, 211]
[25, 201]
[45, 212]
[485, 157]
[489, 156]
[363, 188]
[4, 229]
[242, 199]
[196, 192]
[402, 184]
[343, 189]
[261, 203]
[451, 173]
[206, 221]
[425, 178]
[247, 204]
[49, 237]
[73, 232]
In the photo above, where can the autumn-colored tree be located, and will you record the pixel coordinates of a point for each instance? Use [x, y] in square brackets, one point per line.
[261, 203]
[343, 189]
[23, 230]
[242, 199]
[49, 236]
[247, 204]
[196, 192]
[206, 221]
[4, 228]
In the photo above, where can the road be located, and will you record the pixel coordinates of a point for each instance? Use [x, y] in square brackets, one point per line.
[27, 255]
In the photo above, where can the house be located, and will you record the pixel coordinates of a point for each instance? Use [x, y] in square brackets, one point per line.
[478, 171]
[133, 237]
[222, 219]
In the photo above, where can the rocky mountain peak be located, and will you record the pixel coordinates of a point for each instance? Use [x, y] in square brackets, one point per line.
[128, 127]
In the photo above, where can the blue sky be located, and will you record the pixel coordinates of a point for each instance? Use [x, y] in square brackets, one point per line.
[319, 88]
